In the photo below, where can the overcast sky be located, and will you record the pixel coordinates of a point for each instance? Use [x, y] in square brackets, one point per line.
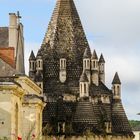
[112, 28]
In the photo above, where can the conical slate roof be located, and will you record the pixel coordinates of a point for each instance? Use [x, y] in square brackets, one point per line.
[84, 116]
[32, 56]
[84, 112]
[116, 79]
[39, 55]
[94, 55]
[87, 53]
[119, 119]
[101, 60]
[65, 32]
[83, 78]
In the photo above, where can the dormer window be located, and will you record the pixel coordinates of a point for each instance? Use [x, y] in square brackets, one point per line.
[102, 67]
[86, 64]
[118, 90]
[63, 63]
[39, 64]
[94, 64]
[32, 65]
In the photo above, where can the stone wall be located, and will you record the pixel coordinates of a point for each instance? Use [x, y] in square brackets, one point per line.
[9, 114]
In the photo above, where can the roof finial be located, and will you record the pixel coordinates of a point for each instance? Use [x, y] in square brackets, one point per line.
[18, 16]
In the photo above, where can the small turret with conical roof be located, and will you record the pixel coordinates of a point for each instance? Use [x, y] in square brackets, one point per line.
[86, 59]
[32, 65]
[102, 69]
[39, 61]
[101, 59]
[94, 55]
[84, 85]
[86, 63]
[94, 68]
[39, 69]
[116, 79]
[116, 87]
[32, 56]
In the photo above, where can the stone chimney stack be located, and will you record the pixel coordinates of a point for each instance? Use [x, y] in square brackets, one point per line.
[13, 30]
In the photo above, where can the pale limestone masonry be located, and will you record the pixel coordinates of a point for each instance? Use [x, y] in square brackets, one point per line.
[13, 25]
[21, 105]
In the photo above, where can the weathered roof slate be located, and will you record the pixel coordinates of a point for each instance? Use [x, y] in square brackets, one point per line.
[4, 37]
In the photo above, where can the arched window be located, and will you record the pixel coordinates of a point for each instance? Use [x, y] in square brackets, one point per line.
[114, 89]
[30, 65]
[94, 64]
[84, 64]
[81, 88]
[16, 119]
[62, 63]
[118, 90]
[88, 64]
[39, 64]
[102, 67]
[33, 65]
[85, 88]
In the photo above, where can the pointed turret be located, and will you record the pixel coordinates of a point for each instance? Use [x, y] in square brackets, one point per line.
[32, 65]
[32, 56]
[84, 85]
[39, 69]
[20, 50]
[116, 79]
[86, 63]
[94, 55]
[101, 60]
[102, 69]
[39, 61]
[116, 87]
[95, 68]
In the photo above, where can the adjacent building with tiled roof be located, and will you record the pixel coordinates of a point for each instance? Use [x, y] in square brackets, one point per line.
[78, 102]
[12, 47]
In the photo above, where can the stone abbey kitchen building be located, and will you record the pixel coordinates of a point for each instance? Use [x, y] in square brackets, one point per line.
[78, 104]
[73, 81]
